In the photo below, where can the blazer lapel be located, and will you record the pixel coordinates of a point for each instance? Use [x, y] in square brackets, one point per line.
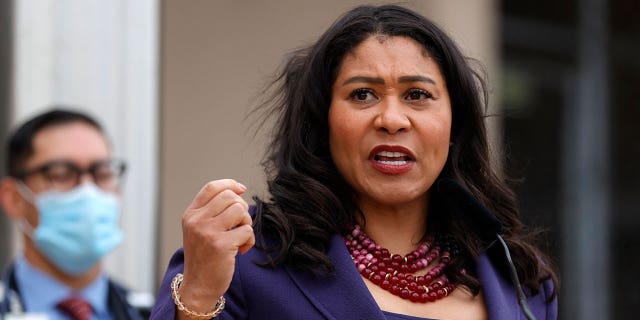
[342, 295]
[499, 295]
[345, 296]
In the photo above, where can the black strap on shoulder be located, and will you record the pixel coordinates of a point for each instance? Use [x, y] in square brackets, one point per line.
[486, 225]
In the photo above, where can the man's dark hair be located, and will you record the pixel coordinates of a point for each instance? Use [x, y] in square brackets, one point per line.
[20, 143]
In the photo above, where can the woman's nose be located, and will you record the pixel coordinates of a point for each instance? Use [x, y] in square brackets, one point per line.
[392, 117]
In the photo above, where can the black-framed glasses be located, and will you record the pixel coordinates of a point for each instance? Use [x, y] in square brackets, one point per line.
[65, 175]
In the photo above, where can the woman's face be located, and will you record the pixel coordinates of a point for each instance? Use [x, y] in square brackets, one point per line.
[389, 122]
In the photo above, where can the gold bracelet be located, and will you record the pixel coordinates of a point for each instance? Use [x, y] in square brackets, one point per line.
[175, 285]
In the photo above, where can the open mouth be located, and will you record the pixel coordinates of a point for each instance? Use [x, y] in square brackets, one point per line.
[392, 158]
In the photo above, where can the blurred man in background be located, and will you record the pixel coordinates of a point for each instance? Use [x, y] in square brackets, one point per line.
[63, 192]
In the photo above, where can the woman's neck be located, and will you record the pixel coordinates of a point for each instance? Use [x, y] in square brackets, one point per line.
[399, 229]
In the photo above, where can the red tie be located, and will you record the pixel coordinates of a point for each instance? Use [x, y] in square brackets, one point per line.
[77, 308]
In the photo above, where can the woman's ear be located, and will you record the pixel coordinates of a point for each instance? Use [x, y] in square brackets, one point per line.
[12, 202]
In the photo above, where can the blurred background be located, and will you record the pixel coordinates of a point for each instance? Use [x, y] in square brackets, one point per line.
[174, 82]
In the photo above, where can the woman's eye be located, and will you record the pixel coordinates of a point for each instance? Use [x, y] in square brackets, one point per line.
[418, 94]
[362, 95]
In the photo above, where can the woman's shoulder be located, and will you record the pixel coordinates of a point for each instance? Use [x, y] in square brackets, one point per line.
[544, 304]
[501, 297]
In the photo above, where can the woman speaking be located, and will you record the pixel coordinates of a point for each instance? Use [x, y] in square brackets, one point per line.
[383, 203]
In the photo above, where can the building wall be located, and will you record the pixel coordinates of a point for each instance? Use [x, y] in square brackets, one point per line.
[101, 58]
[6, 24]
[570, 126]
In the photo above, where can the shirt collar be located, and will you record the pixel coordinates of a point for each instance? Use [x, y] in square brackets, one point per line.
[41, 293]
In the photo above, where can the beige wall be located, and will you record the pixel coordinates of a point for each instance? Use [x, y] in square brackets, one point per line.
[215, 58]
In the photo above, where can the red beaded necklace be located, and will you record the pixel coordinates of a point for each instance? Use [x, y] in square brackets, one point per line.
[393, 272]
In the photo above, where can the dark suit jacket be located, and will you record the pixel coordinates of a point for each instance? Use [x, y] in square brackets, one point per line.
[118, 305]
[284, 293]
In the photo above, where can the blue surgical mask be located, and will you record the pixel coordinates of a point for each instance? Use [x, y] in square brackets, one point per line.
[77, 227]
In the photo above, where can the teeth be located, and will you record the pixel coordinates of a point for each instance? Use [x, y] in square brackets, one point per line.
[393, 163]
[391, 154]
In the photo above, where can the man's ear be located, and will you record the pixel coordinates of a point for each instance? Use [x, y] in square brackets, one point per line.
[11, 201]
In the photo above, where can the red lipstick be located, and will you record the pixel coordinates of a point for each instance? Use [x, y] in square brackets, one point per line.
[391, 160]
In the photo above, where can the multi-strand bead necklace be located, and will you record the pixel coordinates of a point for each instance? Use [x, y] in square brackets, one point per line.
[395, 273]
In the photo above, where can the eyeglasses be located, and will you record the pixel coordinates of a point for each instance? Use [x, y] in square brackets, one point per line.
[65, 175]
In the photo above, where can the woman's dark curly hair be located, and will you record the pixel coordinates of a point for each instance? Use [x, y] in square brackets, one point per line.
[310, 201]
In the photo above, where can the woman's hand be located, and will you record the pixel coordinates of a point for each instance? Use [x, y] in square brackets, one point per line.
[215, 227]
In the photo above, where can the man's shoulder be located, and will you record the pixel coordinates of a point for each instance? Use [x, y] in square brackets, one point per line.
[141, 301]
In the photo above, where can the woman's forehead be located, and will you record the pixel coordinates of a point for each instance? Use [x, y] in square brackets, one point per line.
[389, 54]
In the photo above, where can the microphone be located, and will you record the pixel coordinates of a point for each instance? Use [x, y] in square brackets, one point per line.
[487, 226]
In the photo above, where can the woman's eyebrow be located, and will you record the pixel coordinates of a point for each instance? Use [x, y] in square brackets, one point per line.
[416, 79]
[363, 79]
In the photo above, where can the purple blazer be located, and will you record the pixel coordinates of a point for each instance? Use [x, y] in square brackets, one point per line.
[285, 293]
